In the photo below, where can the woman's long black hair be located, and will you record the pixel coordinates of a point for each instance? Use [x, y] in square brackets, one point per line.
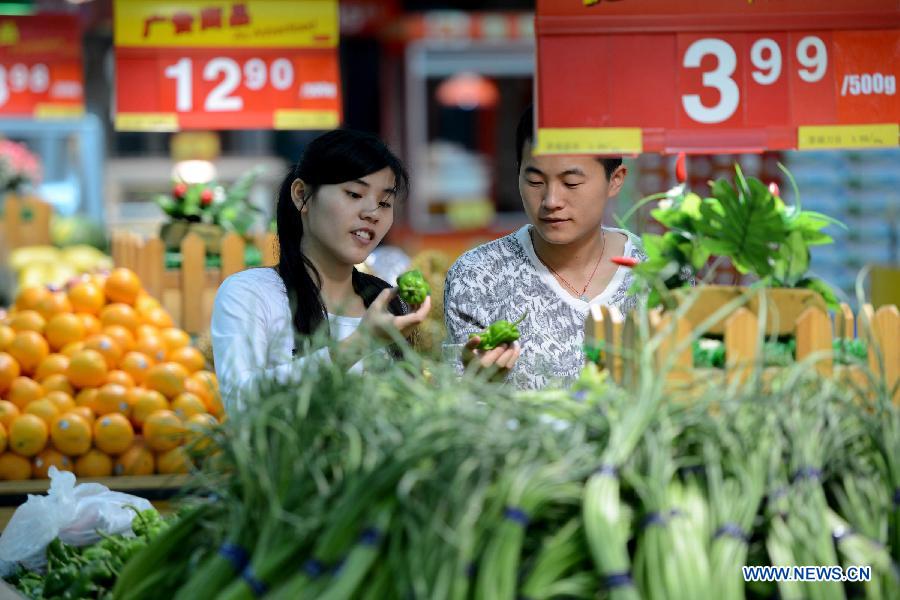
[334, 157]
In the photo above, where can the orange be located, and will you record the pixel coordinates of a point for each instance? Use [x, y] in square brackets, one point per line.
[146, 402]
[43, 408]
[213, 399]
[197, 388]
[87, 368]
[24, 390]
[27, 320]
[163, 430]
[120, 377]
[29, 348]
[84, 412]
[86, 297]
[14, 467]
[53, 304]
[7, 334]
[186, 405]
[158, 317]
[175, 338]
[27, 435]
[64, 329]
[72, 348]
[57, 383]
[112, 398]
[94, 464]
[3, 438]
[122, 285]
[167, 378]
[9, 370]
[136, 365]
[88, 398]
[113, 434]
[189, 357]
[144, 331]
[71, 434]
[122, 336]
[173, 461]
[30, 297]
[63, 401]
[50, 457]
[145, 303]
[92, 325]
[99, 279]
[8, 412]
[153, 347]
[54, 364]
[137, 460]
[106, 346]
[120, 314]
[199, 431]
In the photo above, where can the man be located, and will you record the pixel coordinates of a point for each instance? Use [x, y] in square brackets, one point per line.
[551, 270]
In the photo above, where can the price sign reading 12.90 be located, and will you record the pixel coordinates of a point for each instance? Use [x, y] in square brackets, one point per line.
[229, 65]
[735, 77]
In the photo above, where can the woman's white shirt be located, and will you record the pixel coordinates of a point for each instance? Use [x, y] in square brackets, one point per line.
[253, 335]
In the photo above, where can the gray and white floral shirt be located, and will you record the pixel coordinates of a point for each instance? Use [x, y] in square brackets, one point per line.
[504, 278]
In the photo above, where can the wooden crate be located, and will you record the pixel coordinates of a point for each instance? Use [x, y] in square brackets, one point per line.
[814, 330]
[187, 293]
[25, 221]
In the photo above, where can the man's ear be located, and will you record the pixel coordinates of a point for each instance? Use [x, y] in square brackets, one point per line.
[617, 180]
[298, 195]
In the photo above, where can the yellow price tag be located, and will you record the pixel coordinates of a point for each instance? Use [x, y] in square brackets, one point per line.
[817, 137]
[146, 122]
[205, 24]
[589, 140]
[306, 119]
[48, 110]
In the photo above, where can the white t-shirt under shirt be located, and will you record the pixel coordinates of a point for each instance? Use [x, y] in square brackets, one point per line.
[253, 335]
[503, 279]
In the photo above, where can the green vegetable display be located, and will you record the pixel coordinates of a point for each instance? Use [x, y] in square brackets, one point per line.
[498, 333]
[91, 571]
[413, 287]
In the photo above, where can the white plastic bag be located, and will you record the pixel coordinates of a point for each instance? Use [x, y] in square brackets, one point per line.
[74, 513]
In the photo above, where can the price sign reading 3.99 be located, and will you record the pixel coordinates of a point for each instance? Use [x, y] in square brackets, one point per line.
[717, 75]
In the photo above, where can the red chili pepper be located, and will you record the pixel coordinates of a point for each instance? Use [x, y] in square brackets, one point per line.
[773, 189]
[179, 190]
[206, 197]
[625, 261]
[681, 168]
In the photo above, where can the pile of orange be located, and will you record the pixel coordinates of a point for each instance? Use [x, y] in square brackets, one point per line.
[96, 379]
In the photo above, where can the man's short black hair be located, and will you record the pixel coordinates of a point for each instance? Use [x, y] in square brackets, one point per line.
[525, 134]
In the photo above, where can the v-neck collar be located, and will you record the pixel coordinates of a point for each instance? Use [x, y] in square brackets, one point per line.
[524, 239]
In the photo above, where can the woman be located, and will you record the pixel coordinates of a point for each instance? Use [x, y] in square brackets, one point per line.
[334, 207]
[552, 270]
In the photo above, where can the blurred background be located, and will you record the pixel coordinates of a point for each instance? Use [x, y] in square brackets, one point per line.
[444, 84]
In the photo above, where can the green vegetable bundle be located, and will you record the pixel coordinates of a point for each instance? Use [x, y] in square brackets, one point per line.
[456, 488]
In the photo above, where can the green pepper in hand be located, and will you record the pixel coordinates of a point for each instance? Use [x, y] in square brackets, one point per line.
[413, 287]
[498, 333]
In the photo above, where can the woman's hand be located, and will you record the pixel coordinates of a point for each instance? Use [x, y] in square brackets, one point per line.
[500, 360]
[384, 325]
[378, 327]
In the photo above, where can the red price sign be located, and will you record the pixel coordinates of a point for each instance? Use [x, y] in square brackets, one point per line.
[217, 72]
[40, 67]
[735, 77]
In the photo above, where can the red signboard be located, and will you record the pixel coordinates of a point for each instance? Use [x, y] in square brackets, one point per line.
[227, 65]
[628, 76]
[40, 67]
